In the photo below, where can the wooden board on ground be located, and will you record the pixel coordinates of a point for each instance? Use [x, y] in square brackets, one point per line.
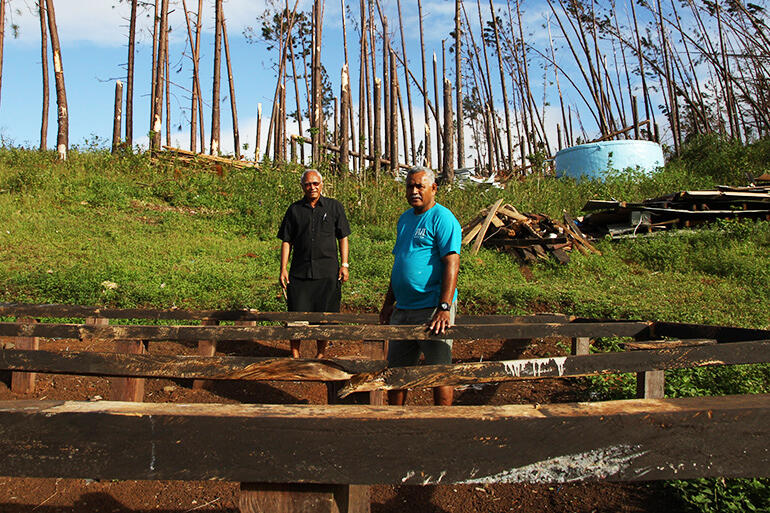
[636, 440]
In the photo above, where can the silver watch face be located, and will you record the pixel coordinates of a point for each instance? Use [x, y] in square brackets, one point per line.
[443, 306]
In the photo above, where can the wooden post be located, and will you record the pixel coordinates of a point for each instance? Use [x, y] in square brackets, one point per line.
[24, 382]
[124, 389]
[116, 123]
[650, 384]
[301, 498]
[581, 346]
[205, 348]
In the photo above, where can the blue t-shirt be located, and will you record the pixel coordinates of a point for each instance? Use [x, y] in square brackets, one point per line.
[421, 242]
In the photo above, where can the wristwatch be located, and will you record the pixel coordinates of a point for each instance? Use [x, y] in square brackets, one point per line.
[443, 306]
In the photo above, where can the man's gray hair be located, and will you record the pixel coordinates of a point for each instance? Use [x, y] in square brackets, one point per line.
[422, 169]
[307, 172]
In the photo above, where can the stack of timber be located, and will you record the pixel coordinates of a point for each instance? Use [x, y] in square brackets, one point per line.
[683, 209]
[529, 236]
[189, 157]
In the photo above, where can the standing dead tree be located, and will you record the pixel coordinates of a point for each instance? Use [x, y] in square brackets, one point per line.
[44, 67]
[62, 135]
[129, 111]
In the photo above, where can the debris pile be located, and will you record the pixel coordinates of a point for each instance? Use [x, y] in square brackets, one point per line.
[189, 156]
[683, 209]
[528, 236]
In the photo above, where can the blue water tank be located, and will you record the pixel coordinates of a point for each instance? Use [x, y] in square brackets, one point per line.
[593, 160]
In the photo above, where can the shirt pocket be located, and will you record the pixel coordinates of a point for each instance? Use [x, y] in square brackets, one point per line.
[326, 225]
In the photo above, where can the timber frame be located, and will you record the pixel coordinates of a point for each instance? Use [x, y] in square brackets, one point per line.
[642, 439]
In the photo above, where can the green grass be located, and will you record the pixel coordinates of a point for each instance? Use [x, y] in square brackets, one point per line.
[172, 235]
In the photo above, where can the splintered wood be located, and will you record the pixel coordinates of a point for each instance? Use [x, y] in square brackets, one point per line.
[529, 236]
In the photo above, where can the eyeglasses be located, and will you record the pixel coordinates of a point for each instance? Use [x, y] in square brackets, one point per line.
[311, 184]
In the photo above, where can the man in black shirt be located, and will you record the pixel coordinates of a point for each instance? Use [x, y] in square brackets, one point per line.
[311, 230]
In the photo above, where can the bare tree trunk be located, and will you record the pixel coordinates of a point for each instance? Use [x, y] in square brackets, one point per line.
[386, 81]
[197, 75]
[62, 136]
[154, 79]
[317, 105]
[498, 46]
[157, 121]
[117, 116]
[195, 93]
[215, 131]
[167, 80]
[44, 67]
[408, 89]
[393, 115]
[426, 110]
[258, 142]
[233, 110]
[439, 149]
[344, 143]
[447, 173]
[129, 111]
[459, 87]
[377, 112]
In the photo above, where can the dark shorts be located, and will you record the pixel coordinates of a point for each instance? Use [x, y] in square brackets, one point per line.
[321, 295]
[406, 353]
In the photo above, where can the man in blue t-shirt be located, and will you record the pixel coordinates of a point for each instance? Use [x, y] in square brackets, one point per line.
[423, 282]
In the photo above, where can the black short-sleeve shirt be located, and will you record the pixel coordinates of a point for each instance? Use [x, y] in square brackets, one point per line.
[313, 234]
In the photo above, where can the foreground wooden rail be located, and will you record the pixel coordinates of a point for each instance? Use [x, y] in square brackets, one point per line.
[331, 332]
[368, 375]
[78, 311]
[618, 440]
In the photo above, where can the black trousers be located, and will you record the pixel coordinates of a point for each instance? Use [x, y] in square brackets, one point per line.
[318, 295]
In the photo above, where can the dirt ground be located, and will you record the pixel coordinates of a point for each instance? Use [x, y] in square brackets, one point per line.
[77, 495]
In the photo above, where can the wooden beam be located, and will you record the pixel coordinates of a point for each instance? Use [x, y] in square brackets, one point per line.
[53, 311]
[186, 367]
[718, 333]
[398, 378]
[330, 332]
[635, 440]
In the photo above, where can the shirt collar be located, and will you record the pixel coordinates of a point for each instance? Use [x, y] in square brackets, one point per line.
[319, 203]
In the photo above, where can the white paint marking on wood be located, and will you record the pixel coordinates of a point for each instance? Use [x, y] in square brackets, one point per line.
[595, 464]
[537, 366]
[152, 442]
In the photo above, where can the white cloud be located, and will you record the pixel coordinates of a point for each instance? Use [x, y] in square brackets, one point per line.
[105, 22]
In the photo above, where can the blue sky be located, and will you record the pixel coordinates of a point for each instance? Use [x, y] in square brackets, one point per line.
[93, 34]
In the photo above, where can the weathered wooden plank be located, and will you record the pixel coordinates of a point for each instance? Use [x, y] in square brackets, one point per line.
[618, 440]
[661, 344]
[564, 366]
[525, 242]
[719, 333]
[332, 332]
[186, 367]
[53, 311]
